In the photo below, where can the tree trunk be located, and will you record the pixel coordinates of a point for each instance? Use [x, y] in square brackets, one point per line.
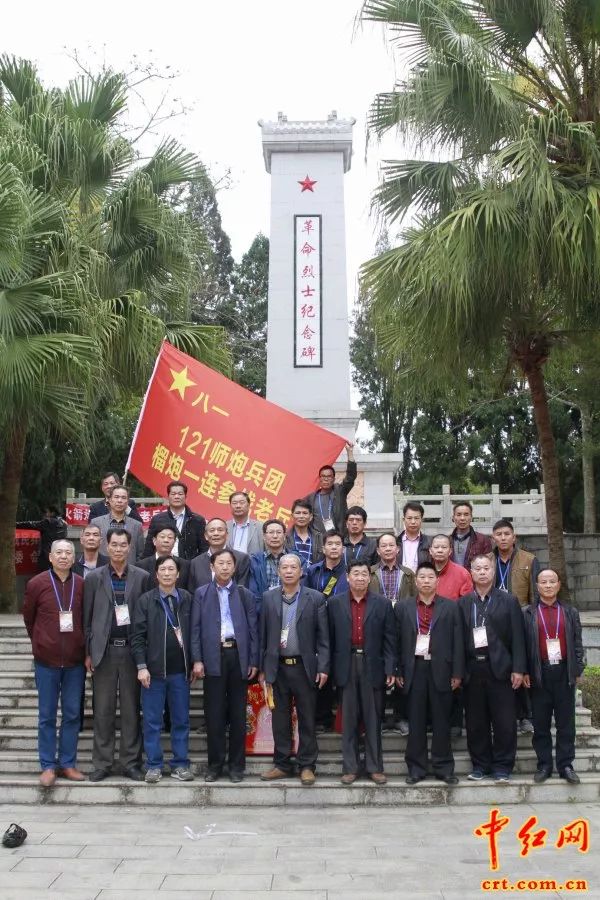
[587, 470]
[554, 516]
[10, 485]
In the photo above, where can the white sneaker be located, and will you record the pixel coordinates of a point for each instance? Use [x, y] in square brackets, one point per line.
[153, 776]
[182, 774]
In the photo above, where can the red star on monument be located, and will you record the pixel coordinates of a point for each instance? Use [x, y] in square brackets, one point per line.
[307, 185]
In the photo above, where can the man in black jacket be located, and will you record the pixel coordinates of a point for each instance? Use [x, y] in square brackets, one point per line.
[432, 662]
[91, 558]
[200, 567]
[294, 654]
[160, 644]
[496, 663]
[329, 502]
[555, 664]
[362, 632]
[164, 541]
[100, 507]
[189, 525]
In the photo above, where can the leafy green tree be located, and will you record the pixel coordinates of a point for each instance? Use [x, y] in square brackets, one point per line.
[250, 286]
[505, 254]
[96, 266]
[211, 300]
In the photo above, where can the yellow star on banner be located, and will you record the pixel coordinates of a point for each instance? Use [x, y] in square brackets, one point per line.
[181, 382]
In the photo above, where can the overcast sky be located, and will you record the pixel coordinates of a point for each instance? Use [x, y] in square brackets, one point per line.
[238, 62]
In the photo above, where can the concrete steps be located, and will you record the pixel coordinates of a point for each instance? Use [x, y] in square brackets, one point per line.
[19, 768]
[326, 792]
[25, 762]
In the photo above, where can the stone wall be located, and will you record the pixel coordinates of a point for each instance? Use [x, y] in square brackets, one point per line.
[583, 564]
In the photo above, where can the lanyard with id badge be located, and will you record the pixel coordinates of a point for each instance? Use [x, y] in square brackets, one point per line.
[479, 631]
[423, 640]
[172, 622]
[285, 628]
[328, 522]
[65, 616]
[552, 644]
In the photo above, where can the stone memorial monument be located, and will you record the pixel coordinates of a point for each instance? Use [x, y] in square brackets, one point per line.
[308, 364]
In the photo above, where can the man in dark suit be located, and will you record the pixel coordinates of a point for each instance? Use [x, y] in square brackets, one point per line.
[200, 567]
[164, 542]
[109, 598]
[160, 644]
[432, 665]
[190, 540]
[363, 638]
[91, 558]
[225, 652]
[100, 507]
[329, 502]
[294, 658]
[555, 664]
[496, 663]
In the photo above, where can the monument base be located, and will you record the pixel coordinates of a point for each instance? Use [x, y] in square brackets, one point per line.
[343, 422]
[376, 471]
[374, 489]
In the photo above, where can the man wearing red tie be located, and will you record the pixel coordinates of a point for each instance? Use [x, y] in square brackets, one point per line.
[432, 664]
[555, 662]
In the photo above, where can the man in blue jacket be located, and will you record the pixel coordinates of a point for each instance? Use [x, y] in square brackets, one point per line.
[225, 652]
[264, 566]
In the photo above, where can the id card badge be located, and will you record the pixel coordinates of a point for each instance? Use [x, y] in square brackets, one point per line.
[66, 620]
[554, 654]
[480, 637]
[328, 524]
[422, 647]
[284, 637]
[178, 635]
[122, 614]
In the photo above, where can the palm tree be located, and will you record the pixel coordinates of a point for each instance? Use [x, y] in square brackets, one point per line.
[505, 251]
[96, 265]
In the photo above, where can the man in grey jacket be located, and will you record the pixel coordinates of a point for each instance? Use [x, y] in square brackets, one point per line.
[109, 598]
[117, 518]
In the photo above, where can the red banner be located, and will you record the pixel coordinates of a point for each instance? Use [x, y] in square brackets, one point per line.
[27, 549]
[201, 428]
[78, 513]
[259, 731]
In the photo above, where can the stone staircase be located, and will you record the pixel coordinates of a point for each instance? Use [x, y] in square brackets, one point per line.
[19, 767]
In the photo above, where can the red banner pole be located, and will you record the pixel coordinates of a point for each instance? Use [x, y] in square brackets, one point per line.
[141, 415]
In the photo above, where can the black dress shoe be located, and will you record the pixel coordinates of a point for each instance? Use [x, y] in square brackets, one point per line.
[447, 779]
[414, 779]
[212, 776]
[236, 777]
[542, 775]
[134, 773]
[98, 775]
[570, 775]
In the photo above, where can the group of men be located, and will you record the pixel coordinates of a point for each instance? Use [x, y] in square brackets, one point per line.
[315, 611]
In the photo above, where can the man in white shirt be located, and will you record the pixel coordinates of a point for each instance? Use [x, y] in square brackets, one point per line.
[414, 546]
[243, 533]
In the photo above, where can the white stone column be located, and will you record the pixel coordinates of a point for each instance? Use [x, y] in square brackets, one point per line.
[307, 161]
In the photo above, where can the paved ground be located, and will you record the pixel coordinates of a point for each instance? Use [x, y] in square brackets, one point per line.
[270, 854]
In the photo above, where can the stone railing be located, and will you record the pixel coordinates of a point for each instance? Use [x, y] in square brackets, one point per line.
[527, 512]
